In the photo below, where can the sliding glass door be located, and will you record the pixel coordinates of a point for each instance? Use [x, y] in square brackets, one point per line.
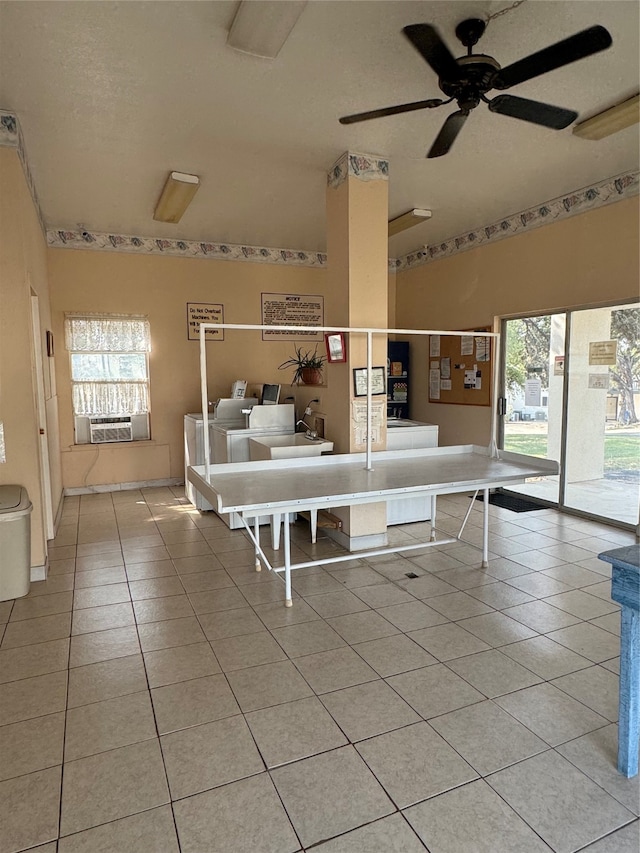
[571, 382]
[602, 464]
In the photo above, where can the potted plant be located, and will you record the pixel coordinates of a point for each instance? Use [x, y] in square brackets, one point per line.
[308, 365]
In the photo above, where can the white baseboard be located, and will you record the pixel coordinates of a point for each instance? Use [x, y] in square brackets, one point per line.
[123, 487]
[39, 573]
[56, 522]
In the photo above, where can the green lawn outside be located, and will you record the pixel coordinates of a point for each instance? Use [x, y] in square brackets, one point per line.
[621, 452]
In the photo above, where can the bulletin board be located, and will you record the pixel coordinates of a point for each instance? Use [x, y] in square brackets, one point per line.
[460, 369]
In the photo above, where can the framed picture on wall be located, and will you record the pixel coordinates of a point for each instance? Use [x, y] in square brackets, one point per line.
[336, 347]
[360, 381]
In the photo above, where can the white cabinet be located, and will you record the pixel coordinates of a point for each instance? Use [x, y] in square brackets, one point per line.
[410, 435]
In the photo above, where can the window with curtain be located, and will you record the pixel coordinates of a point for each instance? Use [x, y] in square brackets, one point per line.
[109, 364]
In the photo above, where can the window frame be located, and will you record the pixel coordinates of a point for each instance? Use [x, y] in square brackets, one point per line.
[132, 396]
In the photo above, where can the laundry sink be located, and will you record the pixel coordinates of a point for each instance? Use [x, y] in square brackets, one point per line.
[287, 447]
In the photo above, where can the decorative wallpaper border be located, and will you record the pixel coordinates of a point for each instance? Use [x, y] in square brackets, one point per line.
[362, 166]
[8, 129]
[598, 195]
[184, 248]
[365, 167]
[11, 137]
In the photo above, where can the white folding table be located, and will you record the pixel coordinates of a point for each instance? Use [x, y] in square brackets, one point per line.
[281, 488]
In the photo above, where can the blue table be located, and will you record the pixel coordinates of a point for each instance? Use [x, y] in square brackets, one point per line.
[625, 589]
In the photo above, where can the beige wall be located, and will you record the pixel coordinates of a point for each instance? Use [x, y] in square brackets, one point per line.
[161, 287]
[588, 259]
[23, 273]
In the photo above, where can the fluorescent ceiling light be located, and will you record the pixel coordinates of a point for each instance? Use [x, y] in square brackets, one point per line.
[610, 121]
[176, 197]
[408, 220]
[261, 27]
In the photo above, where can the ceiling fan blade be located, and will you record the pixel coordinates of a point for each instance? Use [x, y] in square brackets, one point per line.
[433, 50]
[569, 50]
[533, 111]
[447, 136]
[392, 111]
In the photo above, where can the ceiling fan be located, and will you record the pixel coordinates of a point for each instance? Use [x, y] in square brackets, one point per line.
[468, 78]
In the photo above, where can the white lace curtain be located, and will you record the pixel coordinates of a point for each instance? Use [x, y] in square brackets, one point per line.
[110, 398]
[107, 334]
[100, 395]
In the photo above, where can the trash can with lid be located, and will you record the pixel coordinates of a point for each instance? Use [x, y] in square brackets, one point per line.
[15, 542]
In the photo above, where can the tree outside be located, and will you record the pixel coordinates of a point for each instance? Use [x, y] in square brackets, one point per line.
[625, 376]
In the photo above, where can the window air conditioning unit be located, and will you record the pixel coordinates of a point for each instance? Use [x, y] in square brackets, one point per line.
[104, 430]
[87, 428]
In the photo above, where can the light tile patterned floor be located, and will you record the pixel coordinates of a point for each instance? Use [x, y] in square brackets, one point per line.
[156, 695]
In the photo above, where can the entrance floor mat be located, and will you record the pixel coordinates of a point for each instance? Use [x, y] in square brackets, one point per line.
[512, 502]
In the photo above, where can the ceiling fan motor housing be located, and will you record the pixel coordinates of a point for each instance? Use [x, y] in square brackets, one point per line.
[475, 78]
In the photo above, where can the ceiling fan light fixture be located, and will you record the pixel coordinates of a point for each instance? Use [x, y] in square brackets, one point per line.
[261, 27]
[610, 121]
[176, 196]
[408, 220]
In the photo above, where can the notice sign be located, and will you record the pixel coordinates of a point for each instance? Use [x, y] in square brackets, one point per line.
[599, 380]
[204, 312]
[558, 365]
[532, 392]
[603, 352]
[291, 309]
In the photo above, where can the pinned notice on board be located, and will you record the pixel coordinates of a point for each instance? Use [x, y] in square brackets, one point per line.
[460, 374]
[434, 384]
[434, 346]
[473, 380]
[466, 345]
[482, 348]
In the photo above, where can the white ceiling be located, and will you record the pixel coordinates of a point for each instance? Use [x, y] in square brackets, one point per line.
[113, 95]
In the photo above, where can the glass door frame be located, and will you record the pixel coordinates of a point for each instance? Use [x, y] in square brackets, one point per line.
[501, 404]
